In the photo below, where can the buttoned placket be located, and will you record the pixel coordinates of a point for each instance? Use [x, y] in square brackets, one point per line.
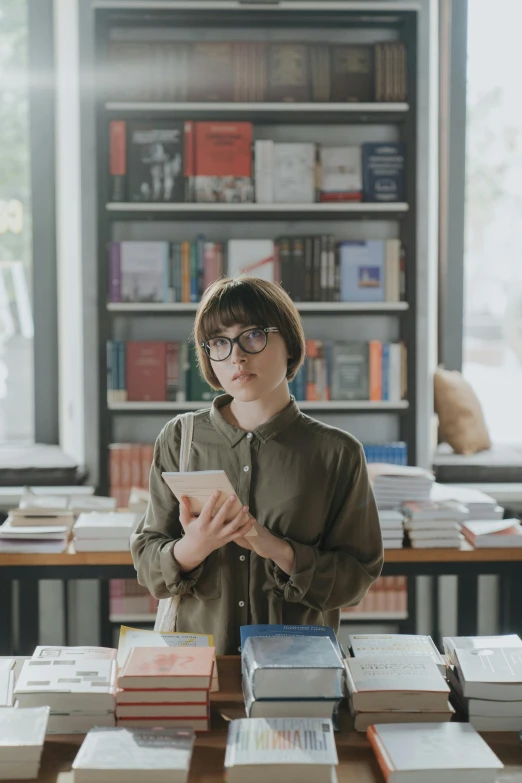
[245, 481]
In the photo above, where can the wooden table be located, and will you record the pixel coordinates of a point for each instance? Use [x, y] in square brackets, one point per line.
[357, 762]
[466, 563]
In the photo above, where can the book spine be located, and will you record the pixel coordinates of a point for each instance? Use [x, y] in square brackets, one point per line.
[386, 372]
[264, 171]
[200, 265]
[117, 159]
[308, 269]
[115, 272]
[122, 372]
[147, 457]
[110, 373]
[324, 270]
[193, 272]
[172, 371]
[114, 469]
[383, 760]
[185, 272]
[375, 370]
[189, 159]
[316, 269]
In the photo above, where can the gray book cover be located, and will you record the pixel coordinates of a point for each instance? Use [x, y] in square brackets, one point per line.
[350, 371]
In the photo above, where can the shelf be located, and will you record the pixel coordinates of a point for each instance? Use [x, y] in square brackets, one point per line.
[335, 405]
[317, 113]
[373, 616]
[329, 211]
[132, 618]
[160, 308]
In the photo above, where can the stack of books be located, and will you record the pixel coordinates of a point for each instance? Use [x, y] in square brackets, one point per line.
[433, 752]
[495, 533]
[479, 504]
[432, 524]
[134, 755]
[111, 532]
[50, 539]
[291, 676]
[283, 750]
[392, 528]
[77, 683]
[22, 735]
[165, 687]
[395, 645]
[393, 485]
[486, 680]
[396, 689]
[7, 681]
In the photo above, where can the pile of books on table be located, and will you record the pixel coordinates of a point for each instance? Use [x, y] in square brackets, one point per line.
[493, 533]
[392, 528]
[134, 755]
[394, 484]
[281, 749]
[7, 681]
[22, 735]
[291, 674]
[77, 683]
[434, 524]
[479, 504]
[486, 680]
[110, 532]
[396, 678]
[166, 687]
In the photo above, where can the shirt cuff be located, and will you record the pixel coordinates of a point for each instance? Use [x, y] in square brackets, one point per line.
[176, 582]
[294, 587]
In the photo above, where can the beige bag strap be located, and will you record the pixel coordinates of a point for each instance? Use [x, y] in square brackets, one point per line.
[187, 429]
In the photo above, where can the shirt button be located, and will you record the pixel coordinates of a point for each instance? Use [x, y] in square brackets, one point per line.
[239, 649]
[241, 557]
[249, 435]
[241, 604]
[246, 468]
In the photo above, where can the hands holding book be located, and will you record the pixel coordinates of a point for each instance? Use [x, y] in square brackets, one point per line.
[206, 532]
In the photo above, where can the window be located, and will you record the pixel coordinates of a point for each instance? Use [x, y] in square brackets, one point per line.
[492, 358]
[16, 320]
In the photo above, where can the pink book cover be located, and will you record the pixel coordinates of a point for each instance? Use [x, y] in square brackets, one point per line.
[169, 662]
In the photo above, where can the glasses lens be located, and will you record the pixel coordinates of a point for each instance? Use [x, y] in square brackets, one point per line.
[218, 348]
[253, 341]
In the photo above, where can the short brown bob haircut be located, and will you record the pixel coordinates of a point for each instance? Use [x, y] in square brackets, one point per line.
[247, 301]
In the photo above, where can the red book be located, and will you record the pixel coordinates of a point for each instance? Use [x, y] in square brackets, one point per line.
[223, 149]
[117, 159]
[146, 371]
[168, 668]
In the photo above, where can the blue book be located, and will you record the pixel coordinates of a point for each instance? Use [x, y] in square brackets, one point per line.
[273, 629]
[362, 269]
[386, 371]
[293, 667]
[194, 296]
[383, 171]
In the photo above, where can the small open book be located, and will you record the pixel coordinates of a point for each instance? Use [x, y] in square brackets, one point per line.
[199, 485]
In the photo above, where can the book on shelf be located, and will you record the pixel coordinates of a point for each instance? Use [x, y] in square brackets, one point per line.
[139, 272]
[428, 752]
[370, 271]
[221, 162]
[171, 668]
[146, 378]
[198, 486]
[129, 466]
[211, 71]
[341, 174]
[294, 173]
[490, 673]
[155, 161]
[7, 681]
[320, 75]
[127, 597]
[292, 667]
[117, 160]
[390, 61]
[138, 637]
[395, 645]
[387, 596]
[453, 643]
[288, 72]
[352, 73]
[350, 377]
[127, 755]
[496, 533]
[22, 736]
[383, 683]
[395, 453]
[383, 166]
[264, 171]
[252, 257]
[146, 70]
[289, 749]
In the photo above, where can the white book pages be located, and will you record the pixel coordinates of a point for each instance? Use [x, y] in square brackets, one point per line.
[7, 678]
[78, 685]
[22, 733]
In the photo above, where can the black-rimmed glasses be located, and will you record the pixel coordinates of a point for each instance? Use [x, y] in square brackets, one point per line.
[250, 341]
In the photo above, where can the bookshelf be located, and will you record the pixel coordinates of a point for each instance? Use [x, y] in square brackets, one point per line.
[336, 22]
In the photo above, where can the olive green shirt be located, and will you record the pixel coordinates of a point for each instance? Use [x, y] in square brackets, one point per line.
[307, 483]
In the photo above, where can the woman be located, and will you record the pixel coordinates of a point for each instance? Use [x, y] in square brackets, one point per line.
[304, 485]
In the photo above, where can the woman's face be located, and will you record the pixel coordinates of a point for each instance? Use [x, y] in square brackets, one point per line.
[247, 376]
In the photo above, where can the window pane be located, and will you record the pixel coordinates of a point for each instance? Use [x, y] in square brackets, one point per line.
[16, 321]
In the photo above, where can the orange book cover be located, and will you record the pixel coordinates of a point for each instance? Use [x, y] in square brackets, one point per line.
[169, 668]
[135, 465]
[375, 370]
[185, 272]
[223, 149]
[117, 148]
[114, 467]
[383, 760]
[147, 455]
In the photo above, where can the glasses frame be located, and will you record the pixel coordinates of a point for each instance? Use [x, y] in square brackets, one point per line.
[232, 340]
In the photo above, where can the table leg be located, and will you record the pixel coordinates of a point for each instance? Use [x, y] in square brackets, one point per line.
[65, 605]
[29, 616]
[514, 612]
[435, 628]
[467, 605]
[6, 617]
[410, 624]
[106, 628]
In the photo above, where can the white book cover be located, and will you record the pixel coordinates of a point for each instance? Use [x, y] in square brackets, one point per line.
[92, 503]
[32, 546]
[468, 496]
[384, 683]
[452, 643]
[22, 733]
[341, 171]
[280, 741]
[490, 672]
[45, 503]
[49, 652]
[110, 525]
[199, 485]
[77, 685]
[501, 533]
[7, 679]
[45, 532]
[449, 530]
[294, 173]
[144, 271]
[429, 510]
[395, 644]
[137, 753]
[429, 524]
[425, 752]
[496, 723]
[264, 171]
[253, 257]
[390, 518]
[437, 543]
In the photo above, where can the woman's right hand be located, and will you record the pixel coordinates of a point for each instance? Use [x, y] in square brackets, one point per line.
[208, 531]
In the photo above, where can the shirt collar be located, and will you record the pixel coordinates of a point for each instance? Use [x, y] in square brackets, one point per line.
[269, 429]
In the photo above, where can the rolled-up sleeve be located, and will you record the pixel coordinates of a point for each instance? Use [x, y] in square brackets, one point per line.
[153, 541]
[340, 569]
